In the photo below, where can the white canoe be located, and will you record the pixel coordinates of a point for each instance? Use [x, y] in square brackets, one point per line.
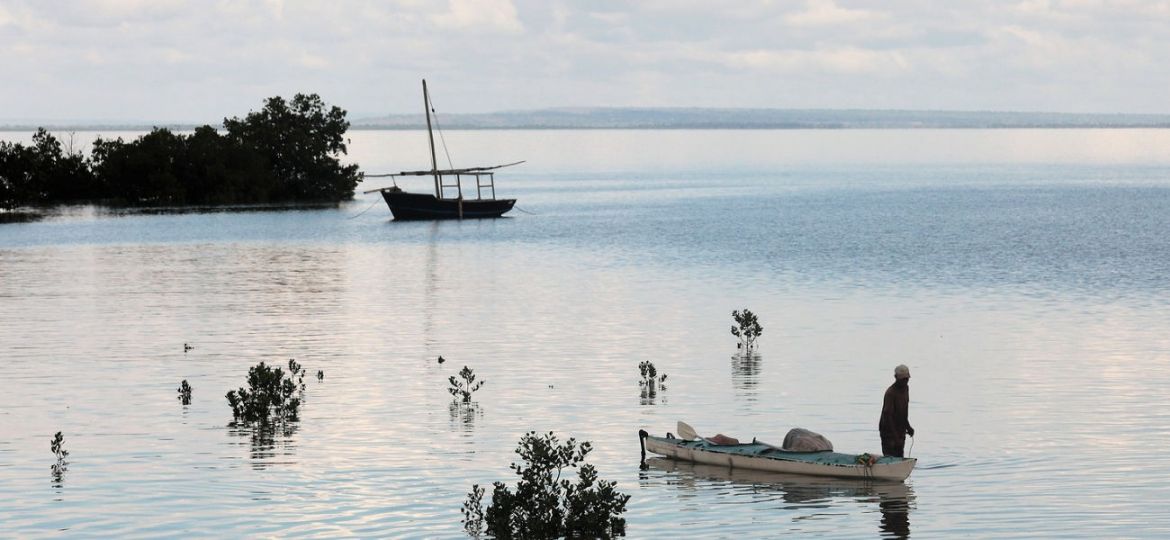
[765, 457]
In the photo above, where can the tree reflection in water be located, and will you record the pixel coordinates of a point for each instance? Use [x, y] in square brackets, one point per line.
[894, 499]
[463, 415]
[745, 373]
[266, 442]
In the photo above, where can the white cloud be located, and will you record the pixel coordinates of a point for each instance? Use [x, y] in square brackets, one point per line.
[827, 13]
[838, 61]
[204, 60]
[172, 55]
[489, 15]
[312, 61]
[276, 7]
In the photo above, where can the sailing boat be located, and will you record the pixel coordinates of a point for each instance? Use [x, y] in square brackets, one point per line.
[404, 205]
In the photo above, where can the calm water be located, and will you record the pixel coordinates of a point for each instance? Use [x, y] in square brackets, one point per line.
[1024, 276]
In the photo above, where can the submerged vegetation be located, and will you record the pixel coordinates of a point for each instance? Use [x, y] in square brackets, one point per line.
[747, 328]
[286, 152]
[463, 387]
[543, 505]
[273, 396]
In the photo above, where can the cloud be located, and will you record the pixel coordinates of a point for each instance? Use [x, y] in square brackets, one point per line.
[484, 15]
[312, 61]
[204, 60]
[827, 13]
[839, 61]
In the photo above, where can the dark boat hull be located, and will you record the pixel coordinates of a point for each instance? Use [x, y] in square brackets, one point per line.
[406, 206]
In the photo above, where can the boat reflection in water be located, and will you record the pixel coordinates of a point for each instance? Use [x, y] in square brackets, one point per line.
[894, 499]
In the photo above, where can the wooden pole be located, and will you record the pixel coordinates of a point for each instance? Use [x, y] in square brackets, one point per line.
[431, 138]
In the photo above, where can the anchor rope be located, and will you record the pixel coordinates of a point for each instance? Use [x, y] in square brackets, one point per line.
[364, 211]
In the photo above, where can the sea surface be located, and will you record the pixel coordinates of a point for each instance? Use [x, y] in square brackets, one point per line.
[1023, 275]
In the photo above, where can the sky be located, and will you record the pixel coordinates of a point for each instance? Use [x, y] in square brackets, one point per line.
[199, 61]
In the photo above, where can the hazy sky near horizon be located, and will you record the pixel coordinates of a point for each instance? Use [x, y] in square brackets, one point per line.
[199, 61]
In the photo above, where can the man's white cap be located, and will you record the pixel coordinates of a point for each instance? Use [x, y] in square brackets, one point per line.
[902, 372]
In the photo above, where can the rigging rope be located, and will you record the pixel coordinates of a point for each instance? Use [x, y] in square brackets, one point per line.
[440, 130]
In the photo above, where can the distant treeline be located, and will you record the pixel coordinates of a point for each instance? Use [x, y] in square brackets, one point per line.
[286, 152]
[708, 118]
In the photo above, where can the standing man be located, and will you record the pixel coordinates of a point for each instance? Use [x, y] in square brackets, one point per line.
[895, 424]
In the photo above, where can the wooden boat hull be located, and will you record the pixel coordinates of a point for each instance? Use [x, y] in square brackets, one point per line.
[765, 457]
[407, 206]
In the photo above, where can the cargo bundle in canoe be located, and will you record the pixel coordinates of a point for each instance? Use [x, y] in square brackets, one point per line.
[765, 457]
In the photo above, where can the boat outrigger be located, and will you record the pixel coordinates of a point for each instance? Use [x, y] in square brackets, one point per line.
[404, 205]
[765, 457]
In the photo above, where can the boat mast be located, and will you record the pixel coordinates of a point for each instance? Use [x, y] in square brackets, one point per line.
[431, 137]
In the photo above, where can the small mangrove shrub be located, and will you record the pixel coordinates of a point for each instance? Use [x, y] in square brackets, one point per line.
[272, 396]
[651, 381]
[57, 445]
[544, 505]
[462, 388]
[185, 392]
[747, 328]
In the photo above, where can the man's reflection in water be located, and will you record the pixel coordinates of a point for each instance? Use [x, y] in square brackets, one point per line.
[895, 515]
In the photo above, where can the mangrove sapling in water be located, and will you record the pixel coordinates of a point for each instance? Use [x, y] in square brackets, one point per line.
[57, 445]
[462, 388]
[185, 392]
[747, 329]
[272, 396]
[543, 504]
[651, 380]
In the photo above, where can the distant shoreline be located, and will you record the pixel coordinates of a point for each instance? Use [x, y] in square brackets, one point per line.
[692, 118]
[187, 128]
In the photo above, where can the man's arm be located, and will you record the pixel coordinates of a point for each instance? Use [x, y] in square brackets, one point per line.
[905, 410]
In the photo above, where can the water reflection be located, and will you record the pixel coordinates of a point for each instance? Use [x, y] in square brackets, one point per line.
[651, 394]
[116, 211]
[13, 216]
[894, 499]
[745, 373]
[57, 473]
[266, 442]
[895, 509]
[431, 285]
[463, 415]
